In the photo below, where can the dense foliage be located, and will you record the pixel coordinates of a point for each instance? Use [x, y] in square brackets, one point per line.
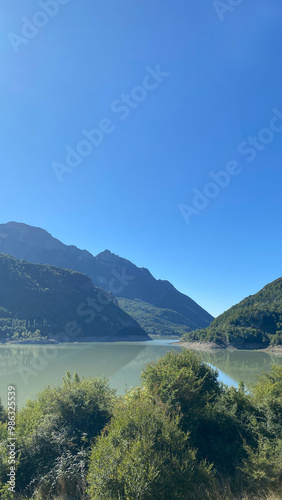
[145, 454]
[54, 437]
[39, 302]
[255, 321]
[180, 435]
[154, 320]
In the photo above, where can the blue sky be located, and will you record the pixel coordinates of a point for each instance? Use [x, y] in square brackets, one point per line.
[224, 78]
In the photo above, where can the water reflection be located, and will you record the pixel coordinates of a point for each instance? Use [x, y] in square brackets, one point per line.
[31, 368]
[241, 365]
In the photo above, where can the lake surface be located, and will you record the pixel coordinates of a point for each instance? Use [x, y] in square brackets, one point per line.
[31, 368]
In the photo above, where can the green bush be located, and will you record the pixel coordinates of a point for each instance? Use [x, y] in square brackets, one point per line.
[145, 455]
[56, 432]
[217, 418]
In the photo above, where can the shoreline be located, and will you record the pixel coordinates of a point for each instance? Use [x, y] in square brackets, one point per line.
[211, 346]
[84, 340]
[201, 346]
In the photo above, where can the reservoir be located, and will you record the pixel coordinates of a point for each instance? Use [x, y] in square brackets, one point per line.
[30, 368]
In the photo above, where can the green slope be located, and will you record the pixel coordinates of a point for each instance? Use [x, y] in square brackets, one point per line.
[154, 320]
[255, 321]
[45, 301]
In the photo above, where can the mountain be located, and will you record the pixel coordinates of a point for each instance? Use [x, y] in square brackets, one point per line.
[155, 320]
[255, 322]
[111, 272]
[38, 301]
[139, 284]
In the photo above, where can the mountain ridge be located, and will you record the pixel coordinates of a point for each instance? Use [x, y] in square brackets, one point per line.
[107, 270]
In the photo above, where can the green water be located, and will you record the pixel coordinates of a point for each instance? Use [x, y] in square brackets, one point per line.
[31, 368]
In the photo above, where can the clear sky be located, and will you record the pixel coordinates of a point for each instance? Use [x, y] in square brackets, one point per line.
[219, 80]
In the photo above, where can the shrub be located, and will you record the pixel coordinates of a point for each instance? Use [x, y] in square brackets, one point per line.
[145, 455]
[57, 430]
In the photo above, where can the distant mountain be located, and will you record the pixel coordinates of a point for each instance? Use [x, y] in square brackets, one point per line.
[155, 320]
[38, 301]
[109, 271]
[255, 322]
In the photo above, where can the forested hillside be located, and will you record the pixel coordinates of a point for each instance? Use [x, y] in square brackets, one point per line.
[155, 320]
[255, 321]
[45, 302]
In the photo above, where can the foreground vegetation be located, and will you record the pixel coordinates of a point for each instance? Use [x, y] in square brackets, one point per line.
[255, 322]
[181, 435]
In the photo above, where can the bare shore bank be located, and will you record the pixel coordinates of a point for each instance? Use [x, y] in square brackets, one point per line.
[211, 346]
